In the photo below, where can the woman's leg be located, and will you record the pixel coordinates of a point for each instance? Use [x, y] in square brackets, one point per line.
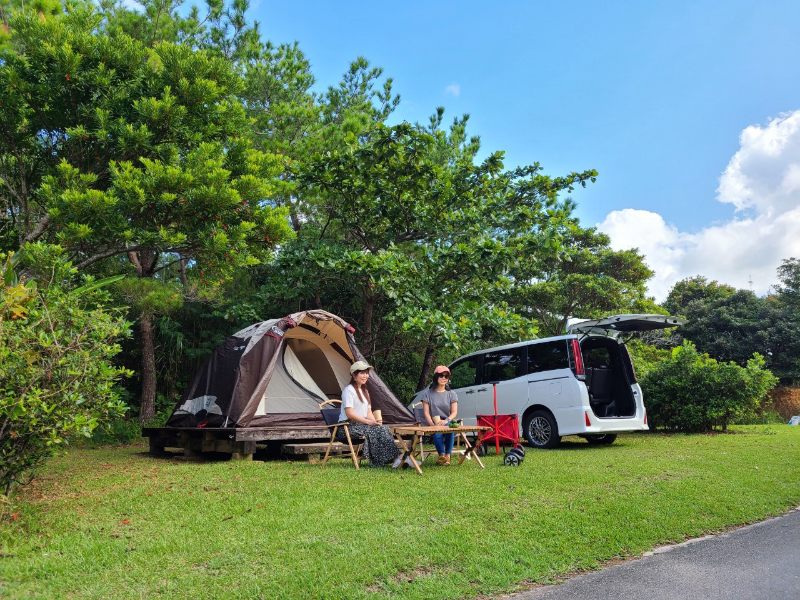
[449, 438]
[438, 441]
[379, 446]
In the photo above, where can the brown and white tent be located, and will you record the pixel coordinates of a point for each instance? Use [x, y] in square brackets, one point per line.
[275, 373]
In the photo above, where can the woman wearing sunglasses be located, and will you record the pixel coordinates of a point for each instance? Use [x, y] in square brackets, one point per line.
[441, 401]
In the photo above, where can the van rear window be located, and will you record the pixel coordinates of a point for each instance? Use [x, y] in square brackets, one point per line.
[548, 356]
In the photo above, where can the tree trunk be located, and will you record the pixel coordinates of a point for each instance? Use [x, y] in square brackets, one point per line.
[366, 323]
[148, 410]
[427, 363]
[144, 261]
[184, 281]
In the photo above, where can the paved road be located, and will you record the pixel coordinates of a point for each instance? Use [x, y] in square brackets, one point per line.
[756, 562]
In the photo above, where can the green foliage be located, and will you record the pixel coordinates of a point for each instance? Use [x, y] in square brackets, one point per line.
[733, 327]
[117, 431]
[151, 296]
[43, 8]
[789, 276]
[692, 289]
[587, 280]
[691, 391]
[56, 372]
[409, 232]
[14, 294]
[118, 149]
[645, 357]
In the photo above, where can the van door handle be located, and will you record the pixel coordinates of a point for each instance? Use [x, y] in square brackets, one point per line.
[482, 389]
[470, 392]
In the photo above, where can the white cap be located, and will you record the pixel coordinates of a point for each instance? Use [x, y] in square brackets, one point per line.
[360, 365]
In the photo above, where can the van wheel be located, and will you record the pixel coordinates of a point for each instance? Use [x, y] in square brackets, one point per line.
[602, 438]
[541, 430]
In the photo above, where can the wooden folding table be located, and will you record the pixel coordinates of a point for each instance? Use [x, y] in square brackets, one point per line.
[418, 432]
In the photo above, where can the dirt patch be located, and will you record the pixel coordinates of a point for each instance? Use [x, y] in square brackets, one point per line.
[786, 401]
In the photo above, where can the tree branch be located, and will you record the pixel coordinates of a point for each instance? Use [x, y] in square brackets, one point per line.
[108, 253]
[36, 233]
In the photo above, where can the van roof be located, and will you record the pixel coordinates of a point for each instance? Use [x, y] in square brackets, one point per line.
[519, 344]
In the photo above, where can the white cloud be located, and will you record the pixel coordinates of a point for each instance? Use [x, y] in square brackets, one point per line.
[453, 89]
[762, 177]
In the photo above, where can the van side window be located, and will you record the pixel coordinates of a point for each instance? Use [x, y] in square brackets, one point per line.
[462, 374]
[547, 356]
[502, 365]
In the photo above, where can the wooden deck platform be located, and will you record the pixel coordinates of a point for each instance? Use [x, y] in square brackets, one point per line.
[239, 442]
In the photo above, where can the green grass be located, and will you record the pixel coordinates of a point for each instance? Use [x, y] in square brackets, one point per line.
[116, 523]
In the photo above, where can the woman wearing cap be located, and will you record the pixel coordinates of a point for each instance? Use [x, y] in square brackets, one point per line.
[440, 401]
[379, 446]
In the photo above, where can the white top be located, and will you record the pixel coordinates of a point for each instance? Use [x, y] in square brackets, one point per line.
[350, 399]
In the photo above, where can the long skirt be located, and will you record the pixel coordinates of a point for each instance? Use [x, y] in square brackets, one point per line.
[379, 446]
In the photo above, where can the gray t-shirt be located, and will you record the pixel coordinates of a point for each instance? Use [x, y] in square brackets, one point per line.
[439, 402]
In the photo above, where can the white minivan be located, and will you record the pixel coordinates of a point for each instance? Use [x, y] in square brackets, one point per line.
[581, 384]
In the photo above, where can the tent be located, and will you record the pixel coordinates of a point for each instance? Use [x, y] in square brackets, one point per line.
[275, 374]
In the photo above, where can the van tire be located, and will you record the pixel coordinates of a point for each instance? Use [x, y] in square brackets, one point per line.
[602, 438]
[541, 430]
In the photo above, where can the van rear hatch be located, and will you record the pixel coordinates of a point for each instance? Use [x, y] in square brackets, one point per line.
[613, 326]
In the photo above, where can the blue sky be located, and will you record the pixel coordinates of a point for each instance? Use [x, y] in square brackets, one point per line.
[662, 98]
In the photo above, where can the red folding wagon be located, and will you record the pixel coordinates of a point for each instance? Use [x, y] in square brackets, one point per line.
[504, 428]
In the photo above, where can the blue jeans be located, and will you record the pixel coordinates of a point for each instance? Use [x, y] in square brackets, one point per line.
[443, 442]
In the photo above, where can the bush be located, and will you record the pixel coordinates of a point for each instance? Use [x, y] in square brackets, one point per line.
[119, 431]
[763, 417]
[645, 357]
[56, 375]
[690, 391]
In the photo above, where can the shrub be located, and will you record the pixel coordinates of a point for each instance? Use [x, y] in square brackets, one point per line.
[117, 431]
[645, 357]
[56, 375]
[690, 391]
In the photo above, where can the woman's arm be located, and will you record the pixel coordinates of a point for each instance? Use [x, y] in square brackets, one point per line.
[351, 414]
[427, 410]
[453, 410]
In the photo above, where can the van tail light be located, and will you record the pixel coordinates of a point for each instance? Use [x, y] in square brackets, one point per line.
[588, 422]
[645, 417]
[576, 353]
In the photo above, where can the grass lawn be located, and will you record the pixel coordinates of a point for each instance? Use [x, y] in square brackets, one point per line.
[116, 523]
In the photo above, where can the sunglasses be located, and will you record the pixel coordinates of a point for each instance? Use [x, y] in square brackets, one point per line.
[443, 375]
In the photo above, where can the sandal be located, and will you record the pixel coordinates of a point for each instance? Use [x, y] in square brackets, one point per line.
[441, 460]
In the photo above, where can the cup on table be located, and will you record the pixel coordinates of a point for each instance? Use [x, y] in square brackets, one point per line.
[377, 415]
[436, 419]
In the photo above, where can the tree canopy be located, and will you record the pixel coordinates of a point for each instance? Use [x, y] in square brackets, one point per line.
[175, 146]
[119, 151]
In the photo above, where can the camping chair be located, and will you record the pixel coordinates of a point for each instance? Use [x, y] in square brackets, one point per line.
[331, 416]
